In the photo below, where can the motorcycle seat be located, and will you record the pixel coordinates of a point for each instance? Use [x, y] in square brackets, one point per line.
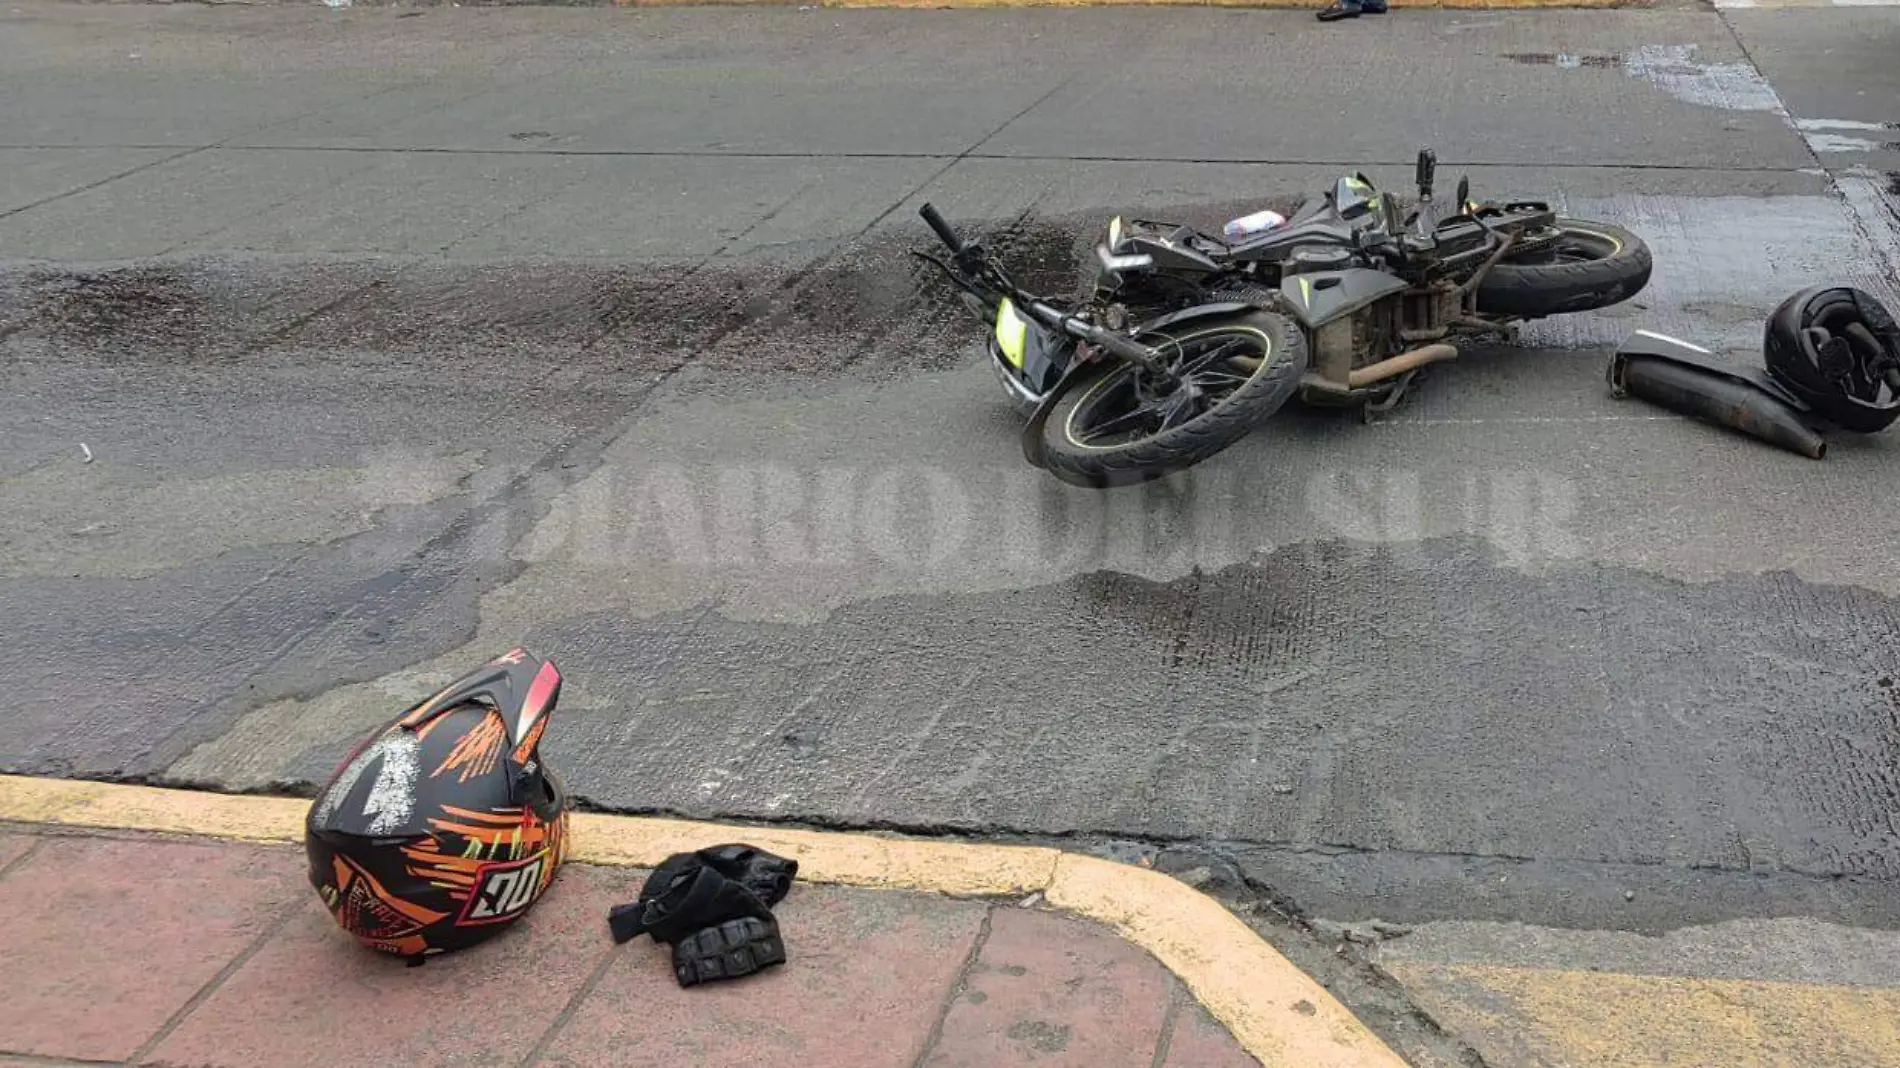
[1314, 230]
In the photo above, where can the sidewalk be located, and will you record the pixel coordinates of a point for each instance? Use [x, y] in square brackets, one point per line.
[129, 947]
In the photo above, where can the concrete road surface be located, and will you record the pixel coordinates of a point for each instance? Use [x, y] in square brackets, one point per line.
[344, 349]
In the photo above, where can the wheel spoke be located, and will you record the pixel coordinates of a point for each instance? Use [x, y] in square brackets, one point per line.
[1128, 418]
[1182, 408]
[1194, 364]
[1205, 375]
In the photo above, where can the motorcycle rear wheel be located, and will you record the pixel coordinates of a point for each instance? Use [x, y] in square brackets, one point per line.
[1248, 364]
[1591, 265]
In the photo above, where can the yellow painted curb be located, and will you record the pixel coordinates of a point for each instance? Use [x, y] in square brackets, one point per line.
[1560, 1016]
[1278, 1013]
[1275, 1010]
[107, 806]
[838, 859]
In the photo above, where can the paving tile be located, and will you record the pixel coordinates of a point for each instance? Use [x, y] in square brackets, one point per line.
[12, 846]
[1050, 990]
[866, 978]
[1201, 1042]
[108, 938]
[314, 996]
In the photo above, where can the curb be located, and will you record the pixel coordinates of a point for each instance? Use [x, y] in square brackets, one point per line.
[1279, 1014]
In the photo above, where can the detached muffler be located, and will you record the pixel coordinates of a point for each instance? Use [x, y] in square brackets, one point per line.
[1687, 378]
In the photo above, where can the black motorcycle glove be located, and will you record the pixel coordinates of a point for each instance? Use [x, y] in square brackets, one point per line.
[768, 876]
[714, 908]
[729, 950]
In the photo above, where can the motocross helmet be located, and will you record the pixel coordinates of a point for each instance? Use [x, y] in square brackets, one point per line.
[445, 826]
[1838, 350]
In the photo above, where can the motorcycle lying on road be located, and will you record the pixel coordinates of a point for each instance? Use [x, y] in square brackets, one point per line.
[1184, 343]
[1139, 401]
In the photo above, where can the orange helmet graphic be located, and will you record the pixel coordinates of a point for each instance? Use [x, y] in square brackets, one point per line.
[445, 825]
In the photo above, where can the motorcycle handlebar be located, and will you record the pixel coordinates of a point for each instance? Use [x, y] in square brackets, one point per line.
[1126, 349]
[1079, 327]
[944, 233]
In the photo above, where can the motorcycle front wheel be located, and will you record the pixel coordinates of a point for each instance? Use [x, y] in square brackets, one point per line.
[1116, 426]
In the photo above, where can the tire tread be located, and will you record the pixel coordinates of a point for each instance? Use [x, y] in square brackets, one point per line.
[1534, 291]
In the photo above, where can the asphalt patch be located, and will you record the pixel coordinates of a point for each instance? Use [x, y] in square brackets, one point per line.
[867, 308]
[1352, 723]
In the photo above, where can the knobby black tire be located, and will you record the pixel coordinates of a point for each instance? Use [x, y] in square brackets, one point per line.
[1254, 401]
[1534, 290]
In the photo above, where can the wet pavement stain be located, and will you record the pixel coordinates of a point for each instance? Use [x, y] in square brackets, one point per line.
[1567, 61]
[1828, 142]
[869, 306]
[140, 305]
[1437, 717]
[1733, 86]
[1810, 125]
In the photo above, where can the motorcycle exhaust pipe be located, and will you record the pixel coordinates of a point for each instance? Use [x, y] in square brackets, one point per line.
[1400, 364]
[1372, 373]
[1718, 399]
